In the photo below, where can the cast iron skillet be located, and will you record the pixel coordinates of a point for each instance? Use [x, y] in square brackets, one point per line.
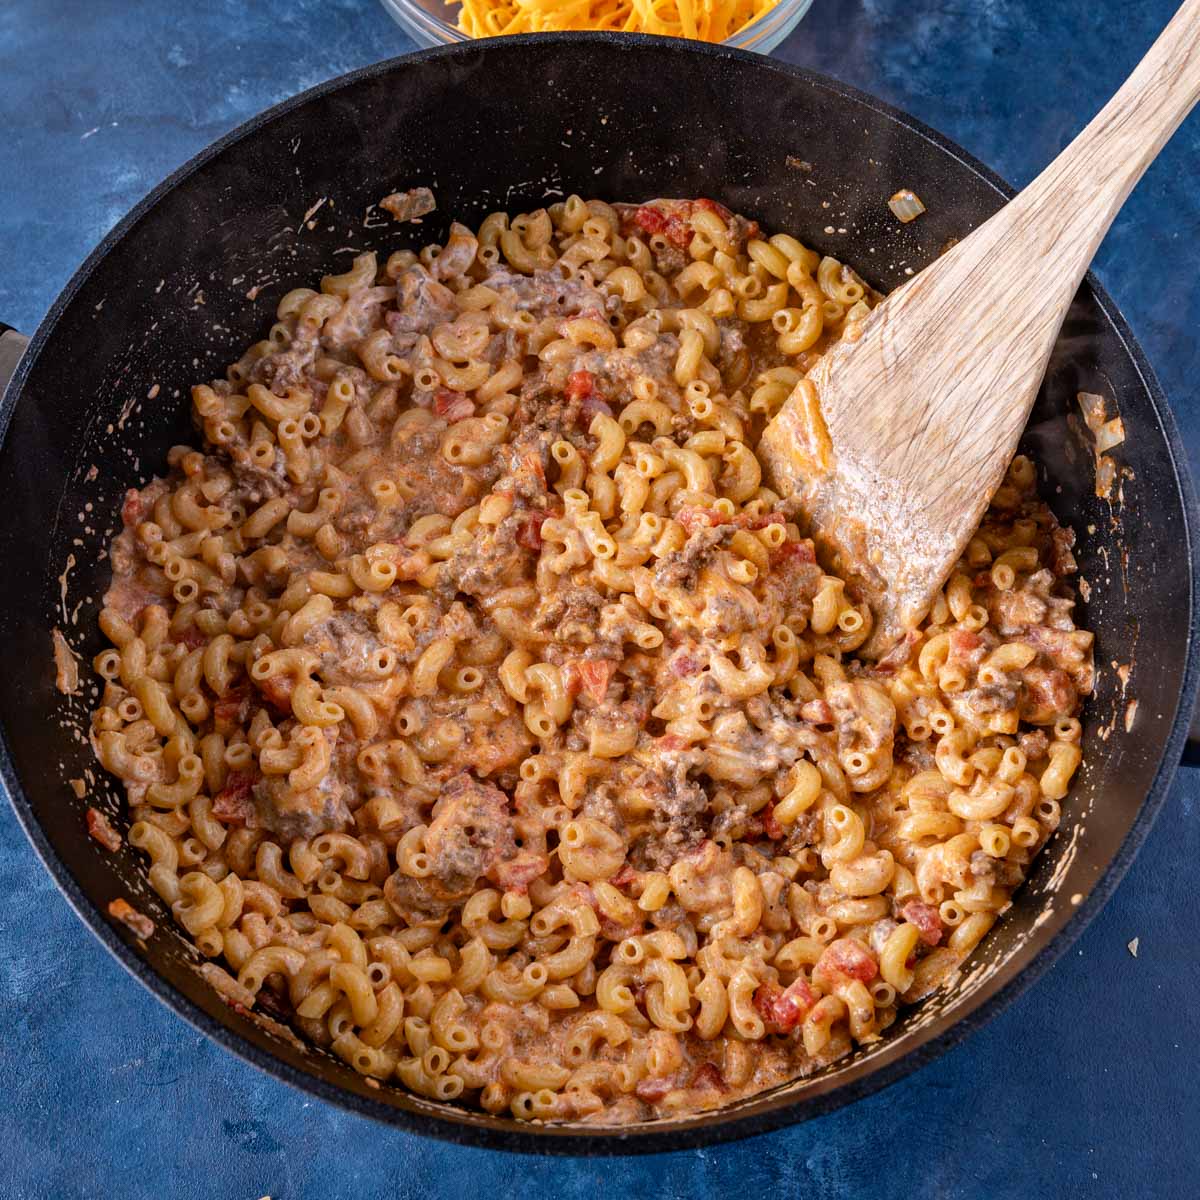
[513, 124]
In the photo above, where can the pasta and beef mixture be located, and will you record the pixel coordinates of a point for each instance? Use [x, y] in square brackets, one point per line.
[486, 716]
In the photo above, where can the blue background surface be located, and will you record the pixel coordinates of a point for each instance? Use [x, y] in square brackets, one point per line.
[1087, 1086]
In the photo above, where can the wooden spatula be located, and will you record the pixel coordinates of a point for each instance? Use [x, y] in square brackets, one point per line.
[896, 442]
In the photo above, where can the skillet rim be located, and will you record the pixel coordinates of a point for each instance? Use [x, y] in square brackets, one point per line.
[467, 1127]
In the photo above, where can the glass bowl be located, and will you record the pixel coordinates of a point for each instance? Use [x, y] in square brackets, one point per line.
[430, 23]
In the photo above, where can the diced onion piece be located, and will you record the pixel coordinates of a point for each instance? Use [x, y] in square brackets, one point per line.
[1110, 434]
[409, 206]
[139, 923]
[1092, 407]
[906, 205]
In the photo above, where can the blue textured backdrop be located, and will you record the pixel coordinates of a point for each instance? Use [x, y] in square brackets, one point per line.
[1088, 1086]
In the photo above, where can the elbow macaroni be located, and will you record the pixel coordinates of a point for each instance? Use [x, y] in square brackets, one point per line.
[480, 705]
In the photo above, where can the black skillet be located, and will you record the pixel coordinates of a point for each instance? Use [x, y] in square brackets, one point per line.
[513, 124]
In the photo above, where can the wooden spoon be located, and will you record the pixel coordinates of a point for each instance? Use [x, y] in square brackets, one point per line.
[895, 443]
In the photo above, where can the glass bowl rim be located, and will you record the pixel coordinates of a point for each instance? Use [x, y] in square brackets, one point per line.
[782, 13]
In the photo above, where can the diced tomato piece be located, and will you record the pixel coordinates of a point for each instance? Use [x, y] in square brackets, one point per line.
[654, 1090]
[848, 959]
[460, 410]
[234, 803]
[594, 675]
[926, 918]
[673, 225]
[707, 1075]
[771, 827]
[784, 1008]
[817, 711]
[278, 689]
[793, 1006]
[454, 406]
[967, 649]
[671, 741]
[518, 873]
[650, 219]
[580, 384]
[99, 826]
[794, 552]
[963, 641]
[692, 518]
[765, 996]
[799, 992]
[679, 232]
[192, 638]
[230, 710]
[572, 680]
[133, 508]
[714, 207]
[627, 874]
[529, 532]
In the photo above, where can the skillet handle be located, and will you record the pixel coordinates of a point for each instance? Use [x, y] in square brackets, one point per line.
[12, 346]
[1191, 748]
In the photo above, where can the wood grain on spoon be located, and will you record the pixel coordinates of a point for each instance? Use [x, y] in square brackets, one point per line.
[896, 442]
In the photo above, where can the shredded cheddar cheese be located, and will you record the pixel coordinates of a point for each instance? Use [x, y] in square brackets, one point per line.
[703, 20]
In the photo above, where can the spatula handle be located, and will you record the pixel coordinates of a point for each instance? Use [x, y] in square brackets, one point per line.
[1067, 210]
